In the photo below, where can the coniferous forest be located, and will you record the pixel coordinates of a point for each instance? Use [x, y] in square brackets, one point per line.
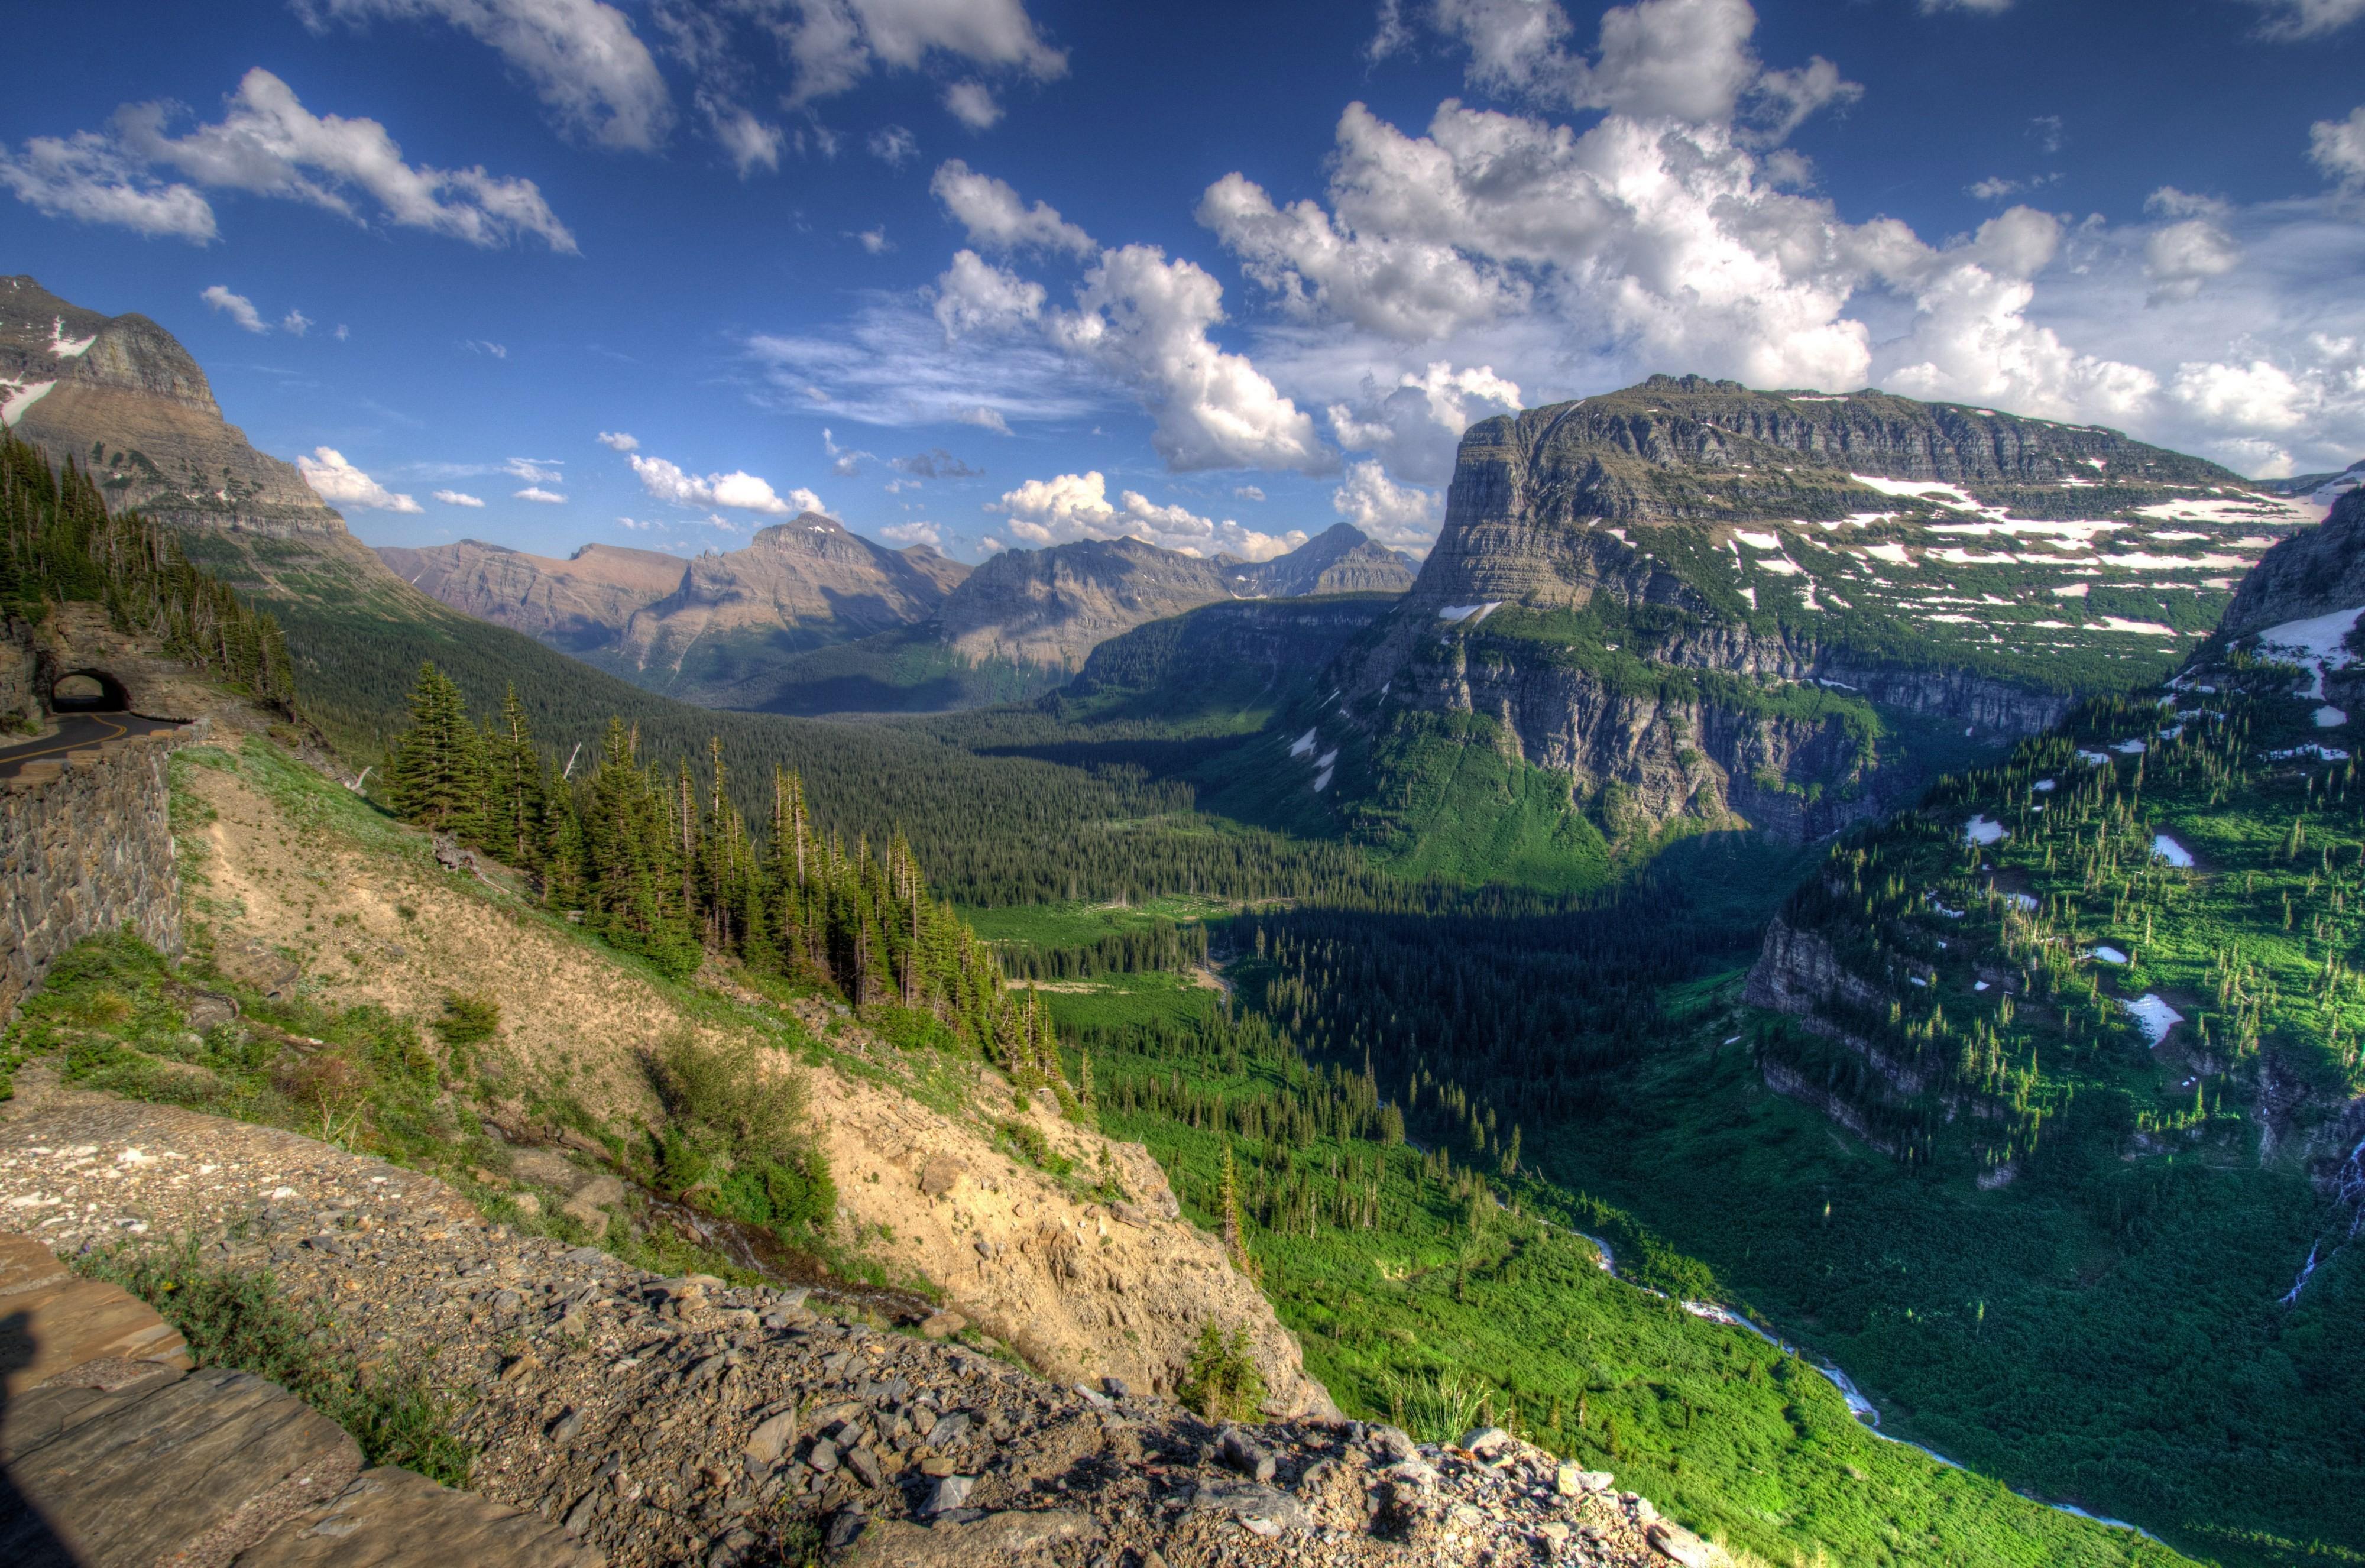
[59, 545]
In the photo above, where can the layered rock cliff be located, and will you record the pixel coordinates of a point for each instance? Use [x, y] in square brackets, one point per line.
[579, 604]
[120, 395]
[1695, 600]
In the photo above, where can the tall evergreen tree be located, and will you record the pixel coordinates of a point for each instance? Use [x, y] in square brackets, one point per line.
[436, 771]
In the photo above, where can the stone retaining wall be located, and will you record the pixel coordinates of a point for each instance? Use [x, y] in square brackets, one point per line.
[85, 846]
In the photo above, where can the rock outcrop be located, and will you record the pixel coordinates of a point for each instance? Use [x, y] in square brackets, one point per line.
[657, 1420]
[1696, 601]
[120, 395]
[2307, 574]
[579, 605]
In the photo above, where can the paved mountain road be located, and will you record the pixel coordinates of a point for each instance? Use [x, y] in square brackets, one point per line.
[77, 731]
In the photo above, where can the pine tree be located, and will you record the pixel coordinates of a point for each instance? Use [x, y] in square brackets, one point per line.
[436, 773]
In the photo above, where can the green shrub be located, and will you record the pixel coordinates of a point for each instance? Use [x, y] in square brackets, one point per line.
[469, 1018]
[1026, 1140]
[784, 1196]
[1221, 1381]
[755, 1103]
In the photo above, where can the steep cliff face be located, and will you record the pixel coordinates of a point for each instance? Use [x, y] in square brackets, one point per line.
[1712, 602]
[120, 395]
[2311, 573]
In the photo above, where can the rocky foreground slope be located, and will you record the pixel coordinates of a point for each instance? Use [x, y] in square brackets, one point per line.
[680, 1420]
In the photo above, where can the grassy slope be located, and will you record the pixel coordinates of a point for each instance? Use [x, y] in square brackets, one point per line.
[2107, 1326]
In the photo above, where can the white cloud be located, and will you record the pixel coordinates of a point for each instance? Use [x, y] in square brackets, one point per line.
[973, 104]
[536, 493]
[338, 483]
[892, 363]
[296, 323]
[738, 490]
[619, 441]
[2182, 256]
[237, 306]
[893, 146]
[87, 177]
[908, 533]
[582, 57]
[1682, 60]
[753, 144]
[1247, 493]
[491, 350]
[974, 295]
[844, 462]
[984, 418]
[2308, 18]
[835, 43]
[1403, 517]
[2257, 398]
[1983, 7]
[533, 470]
[1143, 320]
[2337, 147]
[1993, 188]
[1418, 423]
[268, 144]
[875, 241]
[995, 216]
[1076, 506]
[458, 498]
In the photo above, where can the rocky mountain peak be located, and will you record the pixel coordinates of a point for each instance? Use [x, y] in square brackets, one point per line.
[120, 395]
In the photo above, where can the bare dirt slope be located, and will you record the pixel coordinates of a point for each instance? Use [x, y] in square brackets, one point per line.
[305, 891]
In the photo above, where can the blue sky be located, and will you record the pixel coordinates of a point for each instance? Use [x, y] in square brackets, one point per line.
[1004, 273]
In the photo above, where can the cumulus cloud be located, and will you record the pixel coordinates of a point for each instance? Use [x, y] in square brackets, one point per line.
[1076, 506]
[237, 306]
[619, 441]
[458, 498]
[269, 144]
[908, 533]
[893, 146]
[1418, 423]
[1682, 60]
[2180, 257]
[1403, 517]
[997, 219]
[295, 323]
[738, 490]
[90, 179]
[2337, 147]
[1247, 493]
[338, 483]
[835, 43]
[973, 103]
[1144, 320]
[536, 493]
[582, 57]
[974, 295]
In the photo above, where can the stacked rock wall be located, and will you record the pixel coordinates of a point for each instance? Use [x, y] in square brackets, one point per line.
[85, 846]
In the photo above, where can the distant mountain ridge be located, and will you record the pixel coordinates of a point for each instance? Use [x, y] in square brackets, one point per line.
[691, 628]
[811, 618]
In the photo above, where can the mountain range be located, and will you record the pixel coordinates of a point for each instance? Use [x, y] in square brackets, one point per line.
[733, 629]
